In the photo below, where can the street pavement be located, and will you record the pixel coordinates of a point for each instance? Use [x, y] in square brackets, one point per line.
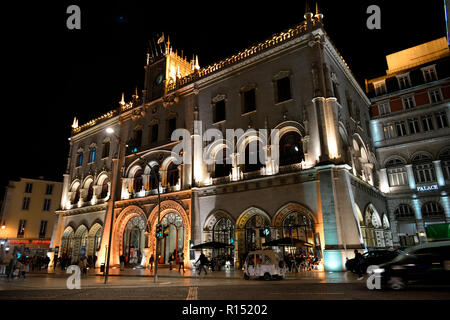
[140, 284]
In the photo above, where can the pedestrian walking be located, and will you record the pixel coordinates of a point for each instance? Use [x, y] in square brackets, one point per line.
[203, 261]
[84, 264]
[181, 261]
[171, 258]
[151, 261]
[122, 262]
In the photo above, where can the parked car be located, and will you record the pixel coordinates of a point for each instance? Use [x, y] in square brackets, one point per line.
[265, 264]
[426, 263]
[373, 257]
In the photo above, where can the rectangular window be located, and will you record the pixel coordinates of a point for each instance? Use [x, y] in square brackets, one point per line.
[413, 124]
[26, 203]
[172, 126]
[46, 206]
[43, 229]
[424, 173]
[49, 189]
[380, 88]
[397, 177]
[435, 96]
[21, 230]
[249, 101]
[283, 89]
[138, 138]
[429, 74]
[441, 119]
[154, 133]
[403, 81]
[219, 111]
[408, 102]
[427, 122]
[388, 131]
[400, 128]
[29, 188]
[384, 109]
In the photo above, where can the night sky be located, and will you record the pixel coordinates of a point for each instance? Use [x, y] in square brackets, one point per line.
[54, 74]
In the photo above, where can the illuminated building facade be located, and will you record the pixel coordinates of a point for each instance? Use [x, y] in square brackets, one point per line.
[411, 134]
[28, 215]
[322, 191]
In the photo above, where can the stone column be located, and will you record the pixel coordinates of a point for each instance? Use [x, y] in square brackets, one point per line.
[439, 173]
[411, 179]
[419, 221]
[384, 182]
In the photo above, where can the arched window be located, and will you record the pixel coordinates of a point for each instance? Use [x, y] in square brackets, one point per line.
[77, 194]
[137, 181]
[172, 175]
[253, 154]
[104, 192]
[92, 152]
[79, 159]
[432, 209]
[223, 231]
[423, 169]
[223, 166]
[298, 226]
[90, 192]
[105, 149]
[291, 149]
[445, 162]
[404, 211]
[396, 172]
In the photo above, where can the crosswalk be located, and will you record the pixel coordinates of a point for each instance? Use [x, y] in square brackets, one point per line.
[192, 293]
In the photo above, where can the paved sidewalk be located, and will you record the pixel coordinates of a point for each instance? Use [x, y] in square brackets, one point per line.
[165, 272]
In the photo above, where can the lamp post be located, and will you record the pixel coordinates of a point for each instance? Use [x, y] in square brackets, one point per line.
[113, 193]
[155, 170]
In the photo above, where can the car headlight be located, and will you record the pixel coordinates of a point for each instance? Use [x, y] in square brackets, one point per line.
[397, 267]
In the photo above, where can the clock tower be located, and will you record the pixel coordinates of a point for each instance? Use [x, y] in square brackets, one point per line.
[164, 70]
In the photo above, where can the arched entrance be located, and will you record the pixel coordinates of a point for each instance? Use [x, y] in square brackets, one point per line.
[376, 233]
[249, 235]
[67, 242]
[179, 239]
[94, 241]
[174, 241]
[296, 221]
[130, 235]
[80, 243]
[134, 240]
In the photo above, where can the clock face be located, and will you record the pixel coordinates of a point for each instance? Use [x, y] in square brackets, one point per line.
[159, 79]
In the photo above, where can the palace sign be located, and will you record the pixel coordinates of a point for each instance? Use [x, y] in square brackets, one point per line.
[428, 188]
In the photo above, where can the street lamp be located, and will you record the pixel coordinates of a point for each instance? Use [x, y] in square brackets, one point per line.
[113, 193]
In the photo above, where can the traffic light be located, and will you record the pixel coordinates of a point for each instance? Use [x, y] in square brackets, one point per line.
[159, 231]
[265, 232]
[166, 231]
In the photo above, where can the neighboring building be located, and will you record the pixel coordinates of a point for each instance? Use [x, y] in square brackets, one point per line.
[28, 214]
[410, 128]
[323, 191]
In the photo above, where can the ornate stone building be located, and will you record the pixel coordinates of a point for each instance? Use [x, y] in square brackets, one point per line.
[323, 190]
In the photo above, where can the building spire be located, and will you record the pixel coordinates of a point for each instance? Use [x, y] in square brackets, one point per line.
[122, 102]
[318, 15]
[308, 14]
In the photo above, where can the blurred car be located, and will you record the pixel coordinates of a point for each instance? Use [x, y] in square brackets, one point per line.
[373, 257]
[427, 263]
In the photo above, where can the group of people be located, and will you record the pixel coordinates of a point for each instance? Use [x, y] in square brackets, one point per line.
[14, 264]
[301, 261]
[84, 262]
[175, 258]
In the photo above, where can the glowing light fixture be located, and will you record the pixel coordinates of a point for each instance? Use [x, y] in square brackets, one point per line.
[109, 130]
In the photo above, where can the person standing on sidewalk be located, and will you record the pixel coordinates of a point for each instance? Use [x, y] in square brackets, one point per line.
[181, 262]
[150, 262]
[171, 258]
[122, 262]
